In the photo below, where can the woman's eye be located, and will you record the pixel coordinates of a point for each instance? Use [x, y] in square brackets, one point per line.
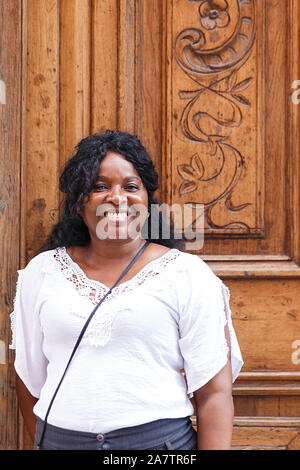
[103, 187]
[100, 187]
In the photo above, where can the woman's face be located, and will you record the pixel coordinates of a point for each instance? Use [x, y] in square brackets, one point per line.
[118, 205]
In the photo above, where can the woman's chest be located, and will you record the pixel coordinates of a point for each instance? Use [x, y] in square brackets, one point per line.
[146, 313]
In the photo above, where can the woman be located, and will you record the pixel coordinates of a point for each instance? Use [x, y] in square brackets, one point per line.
[124, 388]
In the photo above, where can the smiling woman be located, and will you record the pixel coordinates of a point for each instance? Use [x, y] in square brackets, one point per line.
[122, 387]
[111, 168]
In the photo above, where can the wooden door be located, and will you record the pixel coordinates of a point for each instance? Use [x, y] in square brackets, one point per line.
[10, 193]
[208, 87]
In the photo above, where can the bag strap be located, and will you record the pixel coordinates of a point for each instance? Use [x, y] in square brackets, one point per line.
[81, 335]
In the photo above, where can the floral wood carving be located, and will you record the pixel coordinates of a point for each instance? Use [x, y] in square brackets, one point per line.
[212, 59]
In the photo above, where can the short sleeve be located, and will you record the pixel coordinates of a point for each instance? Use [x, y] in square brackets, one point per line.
[27, 337]
[205, 311]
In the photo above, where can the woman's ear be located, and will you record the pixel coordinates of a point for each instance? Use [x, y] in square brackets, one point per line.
[80, 212]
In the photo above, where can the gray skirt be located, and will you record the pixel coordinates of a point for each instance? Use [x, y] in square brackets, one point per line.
[163, 434]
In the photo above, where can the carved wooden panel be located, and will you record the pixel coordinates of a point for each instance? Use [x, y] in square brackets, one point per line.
[216, 122]
[227, 123]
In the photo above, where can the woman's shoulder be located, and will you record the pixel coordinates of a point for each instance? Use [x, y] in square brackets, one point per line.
[192, 260]
[39, 261]
[195, 267]
[189, 260]
[31, 277]
[156, 250]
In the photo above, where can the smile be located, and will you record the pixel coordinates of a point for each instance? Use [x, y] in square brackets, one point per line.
[116, 215]
[119, 213]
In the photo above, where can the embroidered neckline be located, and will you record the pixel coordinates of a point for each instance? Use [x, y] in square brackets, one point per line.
[100, 328]
[94, 289]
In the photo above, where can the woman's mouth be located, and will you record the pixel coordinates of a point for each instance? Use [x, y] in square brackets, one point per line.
[117, 216]
[120, 216]
[125, 222]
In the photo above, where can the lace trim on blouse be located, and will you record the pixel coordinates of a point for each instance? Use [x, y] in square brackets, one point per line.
[227, 315]
[12, 315]
[95, 290]
[99, 330]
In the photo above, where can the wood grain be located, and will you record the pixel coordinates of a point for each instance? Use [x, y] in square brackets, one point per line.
[293, 133]
[75, 75]
[42, 122]
[104, 63]
[266, 433]
[266, 317]
[149, 83]
[127, 66]
[10, 194]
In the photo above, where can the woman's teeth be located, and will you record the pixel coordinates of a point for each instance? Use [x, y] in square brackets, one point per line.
[116, 215]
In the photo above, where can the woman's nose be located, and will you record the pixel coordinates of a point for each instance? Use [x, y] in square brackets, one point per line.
[116, 196]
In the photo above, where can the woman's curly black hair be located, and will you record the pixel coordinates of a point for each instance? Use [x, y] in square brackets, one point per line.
[79, 177]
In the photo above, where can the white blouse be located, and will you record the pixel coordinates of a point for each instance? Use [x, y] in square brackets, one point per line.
[128, 368]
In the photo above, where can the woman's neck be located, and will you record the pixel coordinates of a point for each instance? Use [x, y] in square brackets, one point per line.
[107, 251]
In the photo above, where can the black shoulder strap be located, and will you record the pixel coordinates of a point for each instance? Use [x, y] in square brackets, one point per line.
[81, 335]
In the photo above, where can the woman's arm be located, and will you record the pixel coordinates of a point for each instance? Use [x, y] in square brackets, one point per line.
[214, 411]
[26, 402]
